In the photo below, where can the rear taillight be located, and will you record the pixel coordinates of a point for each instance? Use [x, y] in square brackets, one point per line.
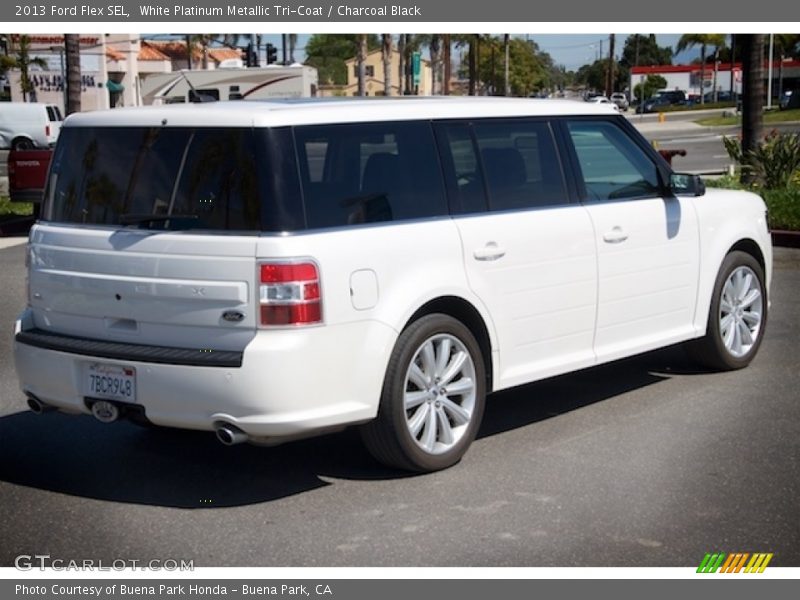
[289, 294]
[47, 131]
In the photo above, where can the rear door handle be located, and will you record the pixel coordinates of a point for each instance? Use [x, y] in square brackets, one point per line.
[615, 236]
[491, 251]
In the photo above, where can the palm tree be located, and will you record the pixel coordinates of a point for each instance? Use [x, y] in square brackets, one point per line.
[401, 50]
[689, 40]
[73, 59]
[361, 63]
[506, 86]
[434, 46]
[386, 53]
[447, 64]
[22, 60]
[753, 96]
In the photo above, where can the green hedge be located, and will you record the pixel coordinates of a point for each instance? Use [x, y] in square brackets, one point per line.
[783, 204]
[15, 208]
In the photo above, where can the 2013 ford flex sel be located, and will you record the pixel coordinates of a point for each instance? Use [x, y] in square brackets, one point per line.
[274, 270]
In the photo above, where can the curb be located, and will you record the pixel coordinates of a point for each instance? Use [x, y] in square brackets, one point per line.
[786, 239]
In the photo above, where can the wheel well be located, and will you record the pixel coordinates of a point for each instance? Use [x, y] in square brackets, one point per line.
[748, 246]
[460, 309]
[20, 138]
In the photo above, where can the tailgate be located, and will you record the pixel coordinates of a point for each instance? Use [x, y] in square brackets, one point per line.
[165, 288]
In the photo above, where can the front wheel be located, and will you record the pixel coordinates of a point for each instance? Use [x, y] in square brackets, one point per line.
[737, 317]
[433, 397]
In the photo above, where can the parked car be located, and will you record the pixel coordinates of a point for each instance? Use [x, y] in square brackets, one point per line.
[620, 99]
[27, 125]
[722, 96]
[790, 99]
[291, 269]
[27, 173]
[661, 100]
[602, 100]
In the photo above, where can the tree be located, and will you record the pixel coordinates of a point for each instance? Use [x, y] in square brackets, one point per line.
[22, 60]
[650, 86]
[73, 60]
[361, 59]
[526, 72]
[327, 52]
[689, 40]
[753, 96]
[643, 51]
[386, 54]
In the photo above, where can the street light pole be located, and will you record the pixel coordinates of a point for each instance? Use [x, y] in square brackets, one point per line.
[769, 70]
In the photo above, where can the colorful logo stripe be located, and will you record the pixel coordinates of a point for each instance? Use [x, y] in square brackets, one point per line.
[734, 562]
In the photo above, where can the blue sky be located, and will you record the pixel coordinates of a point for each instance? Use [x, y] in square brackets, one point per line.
[571, 50]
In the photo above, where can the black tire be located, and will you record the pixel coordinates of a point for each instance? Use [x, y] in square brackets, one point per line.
[22, 144]
[389, 437]
[711, 351]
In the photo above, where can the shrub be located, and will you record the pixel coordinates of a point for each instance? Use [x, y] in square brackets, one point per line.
[784, 208]
[775, 162]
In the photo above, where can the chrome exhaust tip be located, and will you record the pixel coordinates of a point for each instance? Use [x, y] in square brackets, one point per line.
[230, 435]
[37, 406]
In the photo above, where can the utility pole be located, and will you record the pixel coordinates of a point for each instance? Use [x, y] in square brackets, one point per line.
[769, 70]
[610, 79]
[283, 40]
[731, 73]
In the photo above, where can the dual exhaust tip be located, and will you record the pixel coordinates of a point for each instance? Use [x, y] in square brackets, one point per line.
[37, 406]
[230, 435]
[108, 412]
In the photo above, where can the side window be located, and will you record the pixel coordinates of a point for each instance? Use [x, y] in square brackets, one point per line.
[369, 172]
[613, 165]
[463, 171]
[520, 164]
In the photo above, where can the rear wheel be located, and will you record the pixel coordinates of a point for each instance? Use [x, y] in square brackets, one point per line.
[737, 316]
[22, 144]
[433, 397]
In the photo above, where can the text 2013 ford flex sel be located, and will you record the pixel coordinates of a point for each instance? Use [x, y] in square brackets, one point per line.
[274, 270]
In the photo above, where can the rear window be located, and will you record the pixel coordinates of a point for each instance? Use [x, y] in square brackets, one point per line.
[157, 178]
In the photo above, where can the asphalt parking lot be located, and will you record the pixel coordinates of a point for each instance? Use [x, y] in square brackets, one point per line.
[644, 462]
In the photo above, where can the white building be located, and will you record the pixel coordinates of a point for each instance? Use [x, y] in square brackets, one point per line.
[112, 67]
[691, 79]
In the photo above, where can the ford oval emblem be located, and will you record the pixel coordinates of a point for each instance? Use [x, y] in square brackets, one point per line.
[233, 316]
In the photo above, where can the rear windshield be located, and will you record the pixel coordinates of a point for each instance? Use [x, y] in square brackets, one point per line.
[202, 178]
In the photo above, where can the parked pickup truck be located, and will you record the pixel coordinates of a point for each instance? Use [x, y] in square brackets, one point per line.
[27, 172]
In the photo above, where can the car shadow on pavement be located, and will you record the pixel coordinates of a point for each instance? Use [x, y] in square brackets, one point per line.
[527, 404]
[121, 462]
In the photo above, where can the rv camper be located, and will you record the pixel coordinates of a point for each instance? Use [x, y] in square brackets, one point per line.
[258, 83]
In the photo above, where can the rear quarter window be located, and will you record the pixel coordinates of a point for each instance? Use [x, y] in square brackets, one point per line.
[363, 173]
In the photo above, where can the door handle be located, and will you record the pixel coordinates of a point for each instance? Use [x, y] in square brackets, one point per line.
[615, 236]
[491, 251]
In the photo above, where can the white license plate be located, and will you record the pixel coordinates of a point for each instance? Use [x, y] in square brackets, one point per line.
[111, 382]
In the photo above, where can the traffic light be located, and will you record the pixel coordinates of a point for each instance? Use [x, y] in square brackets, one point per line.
[272, 54]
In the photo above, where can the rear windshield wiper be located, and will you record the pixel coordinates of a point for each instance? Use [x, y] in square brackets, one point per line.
[138, 218]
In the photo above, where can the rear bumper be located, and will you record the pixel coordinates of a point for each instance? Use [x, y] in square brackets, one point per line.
[29, 195]
[290, 382]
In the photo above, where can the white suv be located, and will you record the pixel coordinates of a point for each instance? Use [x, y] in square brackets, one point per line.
[276, 270]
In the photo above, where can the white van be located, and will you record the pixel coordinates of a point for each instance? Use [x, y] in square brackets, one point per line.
[27, 125]
[298, 267]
